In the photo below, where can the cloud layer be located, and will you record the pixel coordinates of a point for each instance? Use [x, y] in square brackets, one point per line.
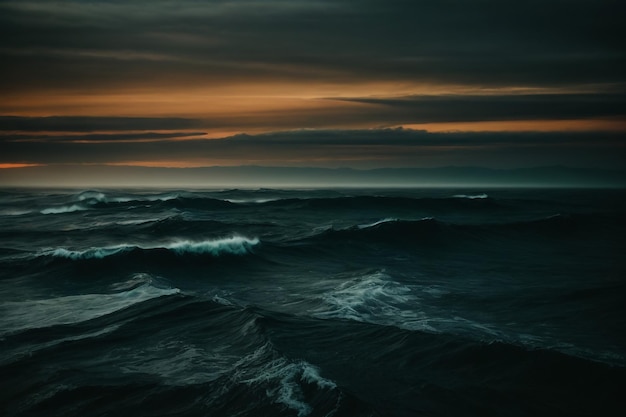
[155, 82]
[74, 44]
[330, 148]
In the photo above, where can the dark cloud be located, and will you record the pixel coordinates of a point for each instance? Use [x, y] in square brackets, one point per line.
[365, 148]
[93, 124]
[101, 137]
[47, 44]
[376, 112]
[85, 47]
[455, 108]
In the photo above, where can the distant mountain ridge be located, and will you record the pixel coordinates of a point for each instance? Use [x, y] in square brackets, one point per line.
[261, 176]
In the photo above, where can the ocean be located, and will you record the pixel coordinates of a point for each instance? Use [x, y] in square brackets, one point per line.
[312, 302]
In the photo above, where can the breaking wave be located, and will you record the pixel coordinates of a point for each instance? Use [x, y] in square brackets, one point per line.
[234, 245]
[472, 196]
[374, 298]
[64, 209]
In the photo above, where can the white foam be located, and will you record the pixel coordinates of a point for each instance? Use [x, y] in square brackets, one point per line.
[387, 220]
[282, 379]
[70, 309]
[97, 196]
[150, 198]
[234, 245]
[92, 253]
[472, 196]
[251, 200]
[63, 209]
[92, 195]
[374, 298]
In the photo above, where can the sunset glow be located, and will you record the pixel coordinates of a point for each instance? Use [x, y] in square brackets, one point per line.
[152, 87]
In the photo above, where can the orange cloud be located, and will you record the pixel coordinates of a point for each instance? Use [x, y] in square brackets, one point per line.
[589, 125]
[16, 165]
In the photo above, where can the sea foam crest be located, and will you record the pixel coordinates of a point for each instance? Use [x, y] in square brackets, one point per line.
[234, 245]
[63, 209]
[377, 299]
[283, 380]
[379, 222]
[91, 253]
[472, 196]
[92, 196]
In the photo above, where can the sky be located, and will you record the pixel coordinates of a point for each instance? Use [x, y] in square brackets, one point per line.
[312, 83]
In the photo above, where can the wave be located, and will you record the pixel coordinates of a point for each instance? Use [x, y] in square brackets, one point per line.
[24, 315]
[283, 381]
[176, 199]
[92, 197]
[201, 201]
[64, 209]
[181, 225]
[472, 196]
[234, 245]
[14, 212]
[388, 203]
[249, 200]
[568, 224]
[374, 298]
[431, 230]
[256, 362]
[386, 230]
[376, 223]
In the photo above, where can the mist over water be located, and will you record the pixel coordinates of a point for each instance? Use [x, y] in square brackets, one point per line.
[312, 302]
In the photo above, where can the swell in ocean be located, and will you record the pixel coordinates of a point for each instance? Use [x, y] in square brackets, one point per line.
[312, 302]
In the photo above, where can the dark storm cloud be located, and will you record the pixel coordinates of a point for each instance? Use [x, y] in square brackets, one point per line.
[93, 124]
[49, 44]
[371, 148]
[457, 108]
[145, 136]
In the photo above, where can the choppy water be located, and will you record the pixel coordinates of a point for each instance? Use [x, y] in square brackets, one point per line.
[312, 302]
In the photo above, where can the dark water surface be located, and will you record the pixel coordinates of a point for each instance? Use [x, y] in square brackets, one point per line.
[431, 302]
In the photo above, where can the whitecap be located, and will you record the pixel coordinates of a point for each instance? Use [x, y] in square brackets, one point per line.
[92, 196]
[63, 209]
[234, 245]
[377, 299]
[472, 196]
[91, 253]
[250, 200]
[282, 380]
[379, 222]
[143, 198]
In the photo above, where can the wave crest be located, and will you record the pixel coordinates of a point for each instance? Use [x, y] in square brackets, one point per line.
[64, 209]
[472, 196]
[234, 245]
[374, 298]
